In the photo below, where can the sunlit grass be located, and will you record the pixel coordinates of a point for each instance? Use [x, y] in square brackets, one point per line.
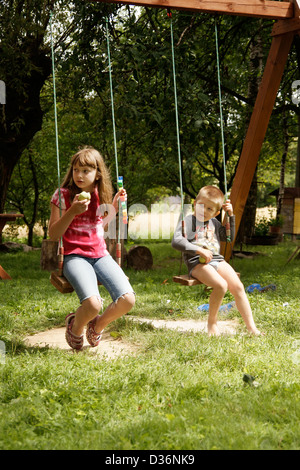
[179, 391]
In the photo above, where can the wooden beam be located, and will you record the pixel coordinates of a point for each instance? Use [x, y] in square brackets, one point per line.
[254, 8]
[296, 8]
[286, 26]
[262, 111]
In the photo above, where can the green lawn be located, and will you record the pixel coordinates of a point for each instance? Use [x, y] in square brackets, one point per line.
[179, 391]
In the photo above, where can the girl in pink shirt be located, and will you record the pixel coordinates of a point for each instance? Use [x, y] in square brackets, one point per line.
[86, 259]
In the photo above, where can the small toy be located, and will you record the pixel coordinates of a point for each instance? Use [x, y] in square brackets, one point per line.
[122, 200]
[258, 287]
[224, 308]
[203, 308]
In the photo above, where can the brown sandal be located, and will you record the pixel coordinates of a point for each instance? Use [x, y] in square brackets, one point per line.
[91, 335]
[74, 341]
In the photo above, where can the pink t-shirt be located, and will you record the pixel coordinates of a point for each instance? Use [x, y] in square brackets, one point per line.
[85, 234]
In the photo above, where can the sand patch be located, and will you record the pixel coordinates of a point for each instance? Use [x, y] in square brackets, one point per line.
[225, 326]
[111, 348]
[108, 347]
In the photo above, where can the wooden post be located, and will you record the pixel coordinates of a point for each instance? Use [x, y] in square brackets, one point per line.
[264, 104]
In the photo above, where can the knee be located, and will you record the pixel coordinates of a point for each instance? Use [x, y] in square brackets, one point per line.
[221, 286]
[93, 304]
[237, 288]
[129, 299]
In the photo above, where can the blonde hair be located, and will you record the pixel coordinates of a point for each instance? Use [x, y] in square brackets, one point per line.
[213, 193]
[88, 156]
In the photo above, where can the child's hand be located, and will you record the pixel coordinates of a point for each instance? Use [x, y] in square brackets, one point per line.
[121, 193]
[227, 207]
[79, 207]
[207, 255]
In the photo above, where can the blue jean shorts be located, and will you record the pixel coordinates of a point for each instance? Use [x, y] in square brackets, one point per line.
[84, 273]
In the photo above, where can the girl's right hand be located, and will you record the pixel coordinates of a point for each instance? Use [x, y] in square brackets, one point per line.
[79, 207]
[207, 255]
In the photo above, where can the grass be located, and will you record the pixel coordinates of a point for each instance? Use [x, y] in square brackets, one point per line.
[180, 391]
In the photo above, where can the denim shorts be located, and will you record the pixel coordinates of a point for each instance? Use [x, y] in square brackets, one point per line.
[84, 273]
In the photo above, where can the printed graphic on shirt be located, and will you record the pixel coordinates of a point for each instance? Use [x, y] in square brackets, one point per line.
[205, 237]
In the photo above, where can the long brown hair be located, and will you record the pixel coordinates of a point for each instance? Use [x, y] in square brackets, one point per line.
[88, 156]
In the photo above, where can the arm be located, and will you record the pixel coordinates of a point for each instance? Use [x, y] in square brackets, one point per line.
[59, 224]
[181, 243]
[113, 209]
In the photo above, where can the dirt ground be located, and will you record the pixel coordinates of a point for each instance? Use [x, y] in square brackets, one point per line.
[110, 347]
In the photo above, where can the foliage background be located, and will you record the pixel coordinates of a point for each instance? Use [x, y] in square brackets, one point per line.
[144, 99]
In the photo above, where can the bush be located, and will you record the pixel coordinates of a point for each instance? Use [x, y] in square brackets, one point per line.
[262, 227]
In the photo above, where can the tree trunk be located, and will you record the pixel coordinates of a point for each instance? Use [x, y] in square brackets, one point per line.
[36, 199]
[282, 164]
[6, 168]
[297, 178]
[22, 116]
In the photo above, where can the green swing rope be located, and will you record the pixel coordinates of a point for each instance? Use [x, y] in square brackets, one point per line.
[55, 110]
[112, 99]
[220, 105]
[118, 253]
[60, 243]
[228, 238]
[227, 223]
[177, 122]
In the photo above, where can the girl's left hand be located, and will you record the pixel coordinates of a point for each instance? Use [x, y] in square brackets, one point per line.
[120, 193]
[227, 206]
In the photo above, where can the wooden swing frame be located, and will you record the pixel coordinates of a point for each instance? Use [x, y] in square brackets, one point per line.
[284, 29]
[287, 25]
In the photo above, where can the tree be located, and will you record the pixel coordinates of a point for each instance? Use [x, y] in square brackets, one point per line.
[25, 65]
[143, 91]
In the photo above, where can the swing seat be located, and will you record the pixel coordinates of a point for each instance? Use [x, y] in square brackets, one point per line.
[60, 283]
[186, 280]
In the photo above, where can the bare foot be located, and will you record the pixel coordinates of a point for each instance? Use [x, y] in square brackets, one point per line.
[213, 330]
[255, 332]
